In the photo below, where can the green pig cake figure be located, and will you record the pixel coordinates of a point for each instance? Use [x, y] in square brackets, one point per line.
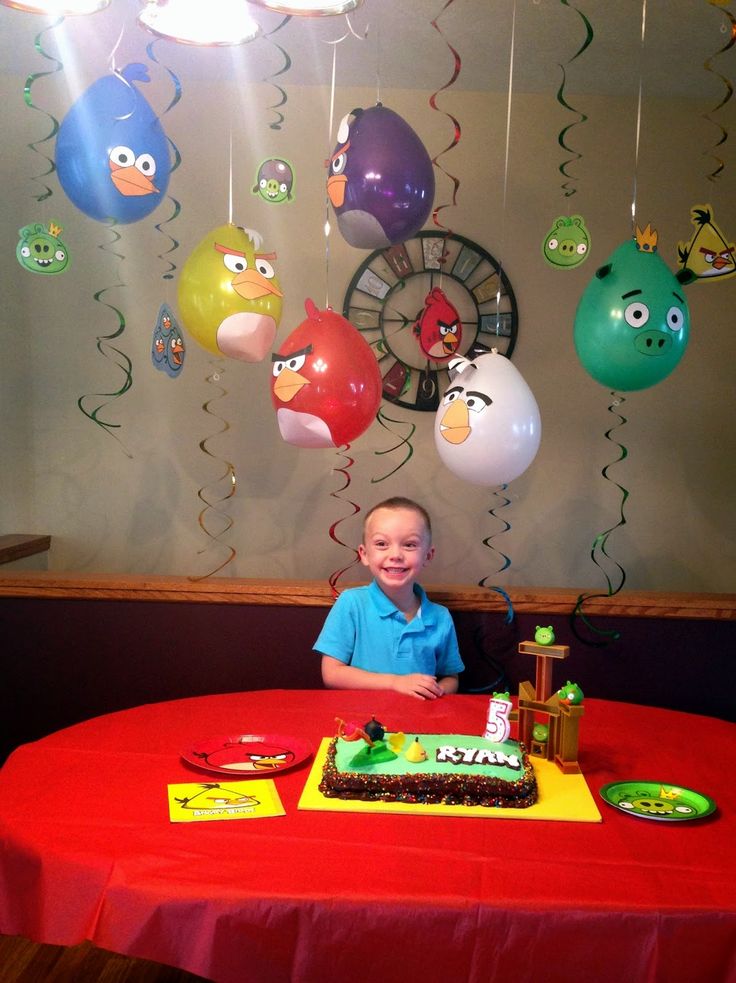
[571, 694]
[544, 636]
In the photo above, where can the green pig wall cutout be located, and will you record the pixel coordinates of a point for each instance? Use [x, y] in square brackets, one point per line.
[274, 181]
[632, 324]
[567, 243]
[40, 250]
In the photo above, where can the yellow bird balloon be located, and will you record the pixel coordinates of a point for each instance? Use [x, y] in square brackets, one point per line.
[229, 296]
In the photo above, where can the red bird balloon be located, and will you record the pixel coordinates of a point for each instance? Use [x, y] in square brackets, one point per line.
[325, 384]
[438, 328]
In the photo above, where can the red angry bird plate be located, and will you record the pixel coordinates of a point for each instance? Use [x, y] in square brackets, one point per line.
[248, 755]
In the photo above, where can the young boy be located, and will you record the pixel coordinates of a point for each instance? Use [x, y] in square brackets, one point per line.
[389, 635]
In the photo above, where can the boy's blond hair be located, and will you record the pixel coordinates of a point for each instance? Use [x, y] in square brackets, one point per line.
[399, 502]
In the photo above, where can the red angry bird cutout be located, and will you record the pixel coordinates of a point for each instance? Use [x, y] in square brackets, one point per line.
[325, 384]
[438, 328]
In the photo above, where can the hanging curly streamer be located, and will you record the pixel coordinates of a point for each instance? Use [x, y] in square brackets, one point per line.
[601, 541]
[110, 351]
[211, 502]
[345, 472]
[567, 187]
[708, 65]
[276, 108]
[457, 130]
[176, 206]
[500, 493]
[34, 145]
[404, 441]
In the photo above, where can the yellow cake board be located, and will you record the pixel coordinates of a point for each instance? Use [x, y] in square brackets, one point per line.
[565, 798]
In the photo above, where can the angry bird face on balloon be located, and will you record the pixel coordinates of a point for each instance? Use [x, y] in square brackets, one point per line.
[325, 385]
[487, 428]
[229, 295]
[438, 328]
[381, 180]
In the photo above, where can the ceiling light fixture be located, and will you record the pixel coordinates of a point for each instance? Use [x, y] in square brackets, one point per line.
[309, 8]
[57, 8]
[217, 22]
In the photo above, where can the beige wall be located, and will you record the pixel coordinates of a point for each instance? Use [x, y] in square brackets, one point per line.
[130, 502]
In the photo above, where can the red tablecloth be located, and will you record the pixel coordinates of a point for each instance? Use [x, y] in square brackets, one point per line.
[87, 852]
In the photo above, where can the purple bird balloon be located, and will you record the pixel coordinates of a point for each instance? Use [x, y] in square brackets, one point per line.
[381, 181]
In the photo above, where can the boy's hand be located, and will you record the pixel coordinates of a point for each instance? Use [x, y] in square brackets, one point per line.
[419, 685]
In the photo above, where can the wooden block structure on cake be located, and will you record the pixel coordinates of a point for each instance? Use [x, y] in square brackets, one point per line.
[563, 718]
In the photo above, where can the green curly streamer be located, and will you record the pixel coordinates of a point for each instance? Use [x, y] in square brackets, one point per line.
[276, 108]
[109, 351]
[567, 187]
[403, 442]
[500, 493]
[34, 145]
[708, 65]
[169, 274]
[601, 541]
[204, 494]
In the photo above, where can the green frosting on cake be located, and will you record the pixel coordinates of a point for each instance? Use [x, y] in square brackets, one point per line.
[460, 769]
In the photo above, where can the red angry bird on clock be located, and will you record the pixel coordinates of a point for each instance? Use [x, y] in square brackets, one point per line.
[325, 383]
[438, 328]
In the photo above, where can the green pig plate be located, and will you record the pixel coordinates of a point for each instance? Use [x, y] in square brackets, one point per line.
[656, 800]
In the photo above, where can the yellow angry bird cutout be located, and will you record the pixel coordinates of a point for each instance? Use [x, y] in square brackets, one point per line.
[708, 254]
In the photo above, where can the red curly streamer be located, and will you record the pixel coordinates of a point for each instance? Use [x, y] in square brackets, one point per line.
[457, 129]
[211, 503]
[345, 472]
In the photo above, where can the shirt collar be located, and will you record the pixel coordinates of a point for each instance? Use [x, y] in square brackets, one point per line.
[386, 606]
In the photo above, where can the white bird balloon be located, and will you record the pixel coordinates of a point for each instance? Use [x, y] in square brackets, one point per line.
[487, 428]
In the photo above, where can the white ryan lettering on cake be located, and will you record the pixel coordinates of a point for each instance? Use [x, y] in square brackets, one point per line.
[476, 756]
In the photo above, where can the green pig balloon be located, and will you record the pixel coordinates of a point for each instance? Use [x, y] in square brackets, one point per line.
[42, 251]
[567, 243]
[632, 324]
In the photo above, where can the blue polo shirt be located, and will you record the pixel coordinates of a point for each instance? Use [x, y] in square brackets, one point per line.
[366, 629]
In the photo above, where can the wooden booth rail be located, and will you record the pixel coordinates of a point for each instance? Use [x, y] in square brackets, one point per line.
[73, 645]
[552, 601]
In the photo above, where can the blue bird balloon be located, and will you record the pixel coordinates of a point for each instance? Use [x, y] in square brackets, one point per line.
[112, 154]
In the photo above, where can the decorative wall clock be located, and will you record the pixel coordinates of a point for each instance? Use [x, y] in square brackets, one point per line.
[422, 301]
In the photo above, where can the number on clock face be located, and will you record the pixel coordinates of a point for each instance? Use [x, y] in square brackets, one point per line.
[420, 302]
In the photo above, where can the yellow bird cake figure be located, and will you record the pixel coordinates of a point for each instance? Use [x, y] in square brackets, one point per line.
[229, 296]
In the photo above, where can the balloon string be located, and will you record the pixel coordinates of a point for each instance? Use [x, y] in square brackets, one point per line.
[638, 115]
[601, 541]
[276, 107]
[567, 188]
[499, 291]
[327, 161]
[404, 441]
[34, 145]
[345, 472]
[500, 493]
[456, 126]
[708, 65]
[207, 493]
[111, 352]
[176, 210]
[230, 178]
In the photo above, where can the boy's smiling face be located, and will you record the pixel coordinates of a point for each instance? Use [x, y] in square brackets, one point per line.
[397, 545]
